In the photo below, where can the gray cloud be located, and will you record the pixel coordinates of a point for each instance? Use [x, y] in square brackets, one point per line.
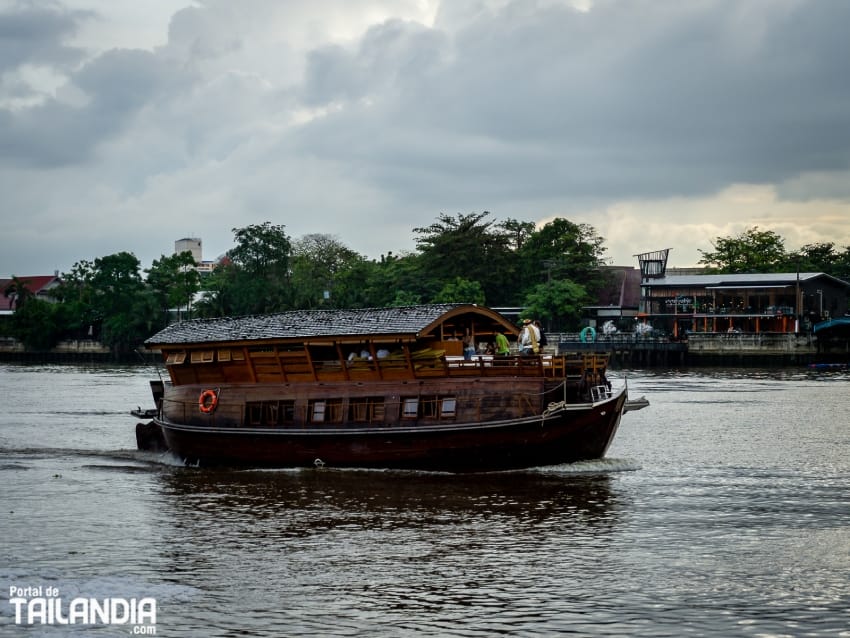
[34, 33]
[353, 119]
[116, 85]
[636, 99]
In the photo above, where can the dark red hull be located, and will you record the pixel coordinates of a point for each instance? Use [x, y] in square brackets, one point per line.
[572, 433]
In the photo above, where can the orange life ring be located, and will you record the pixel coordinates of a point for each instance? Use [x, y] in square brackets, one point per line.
[208, 401]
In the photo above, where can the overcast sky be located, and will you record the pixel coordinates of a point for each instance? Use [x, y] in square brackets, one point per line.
[125, 125]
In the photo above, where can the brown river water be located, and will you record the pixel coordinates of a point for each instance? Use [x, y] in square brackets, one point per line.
[723, 509]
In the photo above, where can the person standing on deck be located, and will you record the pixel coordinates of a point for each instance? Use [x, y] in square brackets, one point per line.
[541, 340]
[503, 348]
[468, 345]
[529, 338]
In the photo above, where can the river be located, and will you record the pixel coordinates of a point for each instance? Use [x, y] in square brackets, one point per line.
[723, 509]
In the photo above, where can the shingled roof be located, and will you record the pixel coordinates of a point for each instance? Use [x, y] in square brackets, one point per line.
[300, 324]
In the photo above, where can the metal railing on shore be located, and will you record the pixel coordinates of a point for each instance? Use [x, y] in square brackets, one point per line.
[697, 347]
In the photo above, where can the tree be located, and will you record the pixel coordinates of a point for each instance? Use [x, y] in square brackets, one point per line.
[258, 279]
[515, 232]
[461, 291]
[558, 301]
[75, 295]
[174, 282]
[119, 301]
[324, 272]
[841, 267]
[262, 249]
[812, 258]
[18, 291]
[465, 246]
[753, 251]
[213, 301]
[404, 298]
[34, 324]
[562, 249]
[396, 280]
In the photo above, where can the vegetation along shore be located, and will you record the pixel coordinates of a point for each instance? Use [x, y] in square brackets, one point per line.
[103, 309]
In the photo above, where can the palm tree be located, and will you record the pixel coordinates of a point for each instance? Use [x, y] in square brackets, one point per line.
[18, 291]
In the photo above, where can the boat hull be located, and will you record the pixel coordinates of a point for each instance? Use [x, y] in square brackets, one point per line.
[562, 434]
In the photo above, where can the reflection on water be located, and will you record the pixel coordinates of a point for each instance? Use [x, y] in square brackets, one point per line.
[316, 500]
[353, 545]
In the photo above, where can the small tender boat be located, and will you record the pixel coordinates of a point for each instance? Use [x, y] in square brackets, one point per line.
[381, 387]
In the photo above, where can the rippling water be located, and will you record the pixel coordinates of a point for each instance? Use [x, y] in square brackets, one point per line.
[721, 510]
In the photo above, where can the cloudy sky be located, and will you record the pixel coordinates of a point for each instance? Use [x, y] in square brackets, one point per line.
[126, 125]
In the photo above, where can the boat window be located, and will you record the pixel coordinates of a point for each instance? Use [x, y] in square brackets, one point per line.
[224, 355]
[448, 406]
[203, 356]
[429, 407]
[326, 411]
[410, 408]
[175, 358]
[269, 412]
[366, 409]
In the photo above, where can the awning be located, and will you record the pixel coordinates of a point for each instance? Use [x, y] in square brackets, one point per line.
[750, 287]
[832, 323]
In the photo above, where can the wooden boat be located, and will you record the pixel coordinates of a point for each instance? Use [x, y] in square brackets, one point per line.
[384, 387]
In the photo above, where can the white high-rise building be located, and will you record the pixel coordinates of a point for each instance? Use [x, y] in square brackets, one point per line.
[193, 245]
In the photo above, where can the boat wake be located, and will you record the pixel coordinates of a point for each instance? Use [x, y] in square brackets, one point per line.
[595, 466]
[579, 468]
[125, 459]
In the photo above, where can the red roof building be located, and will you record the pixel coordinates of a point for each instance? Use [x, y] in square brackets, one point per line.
[38, 285]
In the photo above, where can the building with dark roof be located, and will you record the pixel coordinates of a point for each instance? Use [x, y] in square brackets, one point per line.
[619, 299]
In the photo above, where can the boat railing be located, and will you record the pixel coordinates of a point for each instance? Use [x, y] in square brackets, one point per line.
[273, 366]
[573, 366]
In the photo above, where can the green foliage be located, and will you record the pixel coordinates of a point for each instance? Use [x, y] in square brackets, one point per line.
[405, 298]
[74, 293]
[465, 246]
[257, 279]
[261, 249]
[562, 249]
[750, 252]
[515, 233]
[467, 258]
[34, 324]
[106, 300]
[213, 301]
[395, 281]
[118, 301]
[173, 282]
[823, 257]
[461, 291]
[325, 273]
[559, 301]
[18, 291]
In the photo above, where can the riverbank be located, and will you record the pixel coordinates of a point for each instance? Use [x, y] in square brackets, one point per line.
[83, 351]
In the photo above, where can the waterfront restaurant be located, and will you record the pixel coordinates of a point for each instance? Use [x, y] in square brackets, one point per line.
[750, 303]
